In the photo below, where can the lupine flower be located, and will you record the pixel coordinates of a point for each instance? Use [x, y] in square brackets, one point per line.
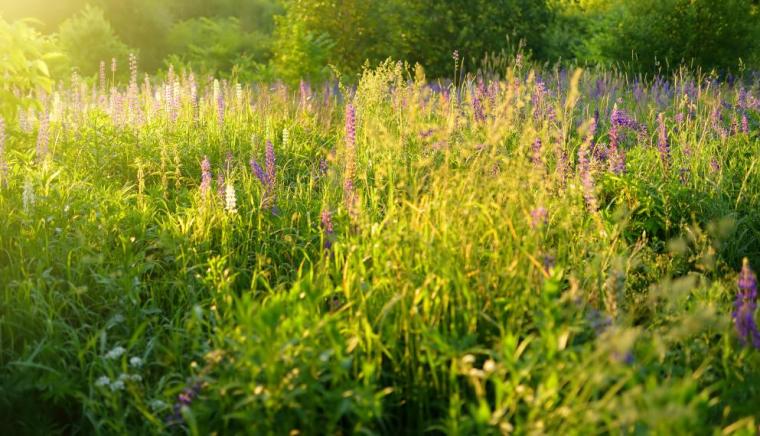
[43, 136]
[477, 110]
[349, 191]
[285, 136]
[327, 226]
[584, 168]
[714, 165]
[745, 124]
[745, 305]
[28, 198]
[663, 145]
[616, 154]
[230, 200]
[536, 153]
[538, 217]
[258, 172]
[184, 399]
[205, 176]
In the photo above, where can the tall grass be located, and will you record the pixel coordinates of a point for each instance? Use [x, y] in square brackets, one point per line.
[460, 259]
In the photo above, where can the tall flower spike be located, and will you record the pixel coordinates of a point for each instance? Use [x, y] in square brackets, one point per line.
[584, 168]
[205, 176]
[43, 136]
[663, 145]
[745, 306]
[349, 191]
[230, 199]
[327, 226]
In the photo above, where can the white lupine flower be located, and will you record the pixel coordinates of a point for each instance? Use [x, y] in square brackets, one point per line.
[28, 198]
[230, 199]
[102, 381]
[135, 362]
[285, 137]
[115, 353]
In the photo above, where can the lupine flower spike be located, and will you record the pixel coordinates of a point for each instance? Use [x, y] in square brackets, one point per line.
[745, 305]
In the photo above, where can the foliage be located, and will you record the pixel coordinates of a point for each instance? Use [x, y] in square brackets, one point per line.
[88, 38]
[24, 54]
[652, 35]
[217, 45]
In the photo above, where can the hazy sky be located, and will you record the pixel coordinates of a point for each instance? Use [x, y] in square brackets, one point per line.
[50, 12]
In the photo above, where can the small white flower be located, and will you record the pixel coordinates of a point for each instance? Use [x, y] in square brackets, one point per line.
[117, 385]
[102, 381]
[115, 353]
[135, 362]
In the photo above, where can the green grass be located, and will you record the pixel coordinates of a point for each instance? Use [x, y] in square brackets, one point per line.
[441, 307]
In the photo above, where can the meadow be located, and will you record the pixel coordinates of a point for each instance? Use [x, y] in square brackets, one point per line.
[527, 250]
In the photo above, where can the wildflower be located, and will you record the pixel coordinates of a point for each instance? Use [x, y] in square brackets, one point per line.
[43, 137]
[285, 137]
[117, 385]
[745, 305]
[663, 144]
[135, 362]
[477, 110]
[536, 149]
[258, 171]
[349, 191]
[205, 175]
[184, 399]
[714, 165]
[230, 201]
[28, 198]
[327, 225]
[745, 124]
[538, 217]
[616, 154]
[115, 353]
[102, 381]
[584, 168]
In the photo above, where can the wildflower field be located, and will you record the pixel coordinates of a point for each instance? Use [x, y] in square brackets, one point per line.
[529, 250]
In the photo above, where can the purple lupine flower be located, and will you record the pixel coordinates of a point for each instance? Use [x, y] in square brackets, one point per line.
[679, 118]
[205, 176]
[184, 399]
[538, 217]
[745, 124]
[584, 168]
[717, 122]
[745, 305]
[258, 172]
[616, 154]
[43, 136]
[663, 145]
[477, 110]
[714, 165]
[327, 226]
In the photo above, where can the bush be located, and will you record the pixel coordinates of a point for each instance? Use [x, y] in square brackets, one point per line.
[23, 66]
[655, 35]
[88, 39]
[218, 45]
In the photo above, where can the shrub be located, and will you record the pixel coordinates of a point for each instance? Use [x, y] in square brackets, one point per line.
[88, 38]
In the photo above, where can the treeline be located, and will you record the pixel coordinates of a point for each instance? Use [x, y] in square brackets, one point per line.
[294, 39]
